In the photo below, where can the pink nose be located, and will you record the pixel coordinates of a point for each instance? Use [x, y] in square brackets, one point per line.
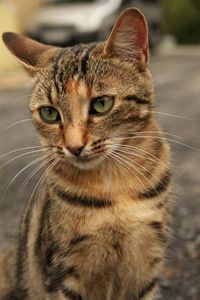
[76, 150]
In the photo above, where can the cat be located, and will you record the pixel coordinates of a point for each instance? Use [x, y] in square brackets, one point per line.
[99, 225]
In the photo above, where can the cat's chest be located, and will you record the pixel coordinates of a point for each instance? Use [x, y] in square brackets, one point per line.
[90, 230]
[98, 238]
[100, 248]
[86, 255]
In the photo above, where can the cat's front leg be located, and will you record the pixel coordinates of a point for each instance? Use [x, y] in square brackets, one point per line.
[150, 291]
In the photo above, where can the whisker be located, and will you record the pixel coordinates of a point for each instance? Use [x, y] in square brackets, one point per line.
[129, 147]
[33, 173]
[117, 156]
[162, 133]
[34, 155]
[174, 116]
[36, 186]
[117, 159]
[21, 149]
[16, 123]
[106, 157]
[141, 166]
[146, 179]
[170, 140]
[160, 138]
[132, 153]
[20, 172]
[18, 156]
[57, 160]
[127, 165]
[144, 132]
[22, 97]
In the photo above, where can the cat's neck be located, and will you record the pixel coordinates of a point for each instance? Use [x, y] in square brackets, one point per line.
[128, 174]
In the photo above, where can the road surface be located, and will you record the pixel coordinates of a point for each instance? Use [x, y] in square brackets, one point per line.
[177, 82]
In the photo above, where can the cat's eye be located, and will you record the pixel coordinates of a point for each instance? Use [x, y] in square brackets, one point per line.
[49, 114]
[101, 105]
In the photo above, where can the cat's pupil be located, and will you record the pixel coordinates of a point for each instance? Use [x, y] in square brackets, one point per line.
[50, 110]
[102, 102]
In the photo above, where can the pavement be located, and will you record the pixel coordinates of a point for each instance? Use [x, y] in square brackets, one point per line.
[177, 83]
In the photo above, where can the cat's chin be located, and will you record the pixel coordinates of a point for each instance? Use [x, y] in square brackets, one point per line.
[87, 164]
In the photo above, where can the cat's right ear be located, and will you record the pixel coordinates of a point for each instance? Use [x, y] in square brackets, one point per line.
[128, 40]
[33, 55]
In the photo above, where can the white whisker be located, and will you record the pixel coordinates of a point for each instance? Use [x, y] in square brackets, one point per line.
[57, 160]
[16, 176]
[117, 156]
[160, 138]
[22, 97]
[39, 181]
[141, 166]
[21, 149]
[123, 156]
[153, 157]
[34, 172]
[174, 116]
[144, 132]
[16, 123]
[19, 156]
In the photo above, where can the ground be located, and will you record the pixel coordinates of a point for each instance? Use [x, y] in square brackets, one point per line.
[177, 79]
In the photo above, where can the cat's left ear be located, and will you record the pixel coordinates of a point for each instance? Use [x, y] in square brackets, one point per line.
[33, 55]
[129, 38]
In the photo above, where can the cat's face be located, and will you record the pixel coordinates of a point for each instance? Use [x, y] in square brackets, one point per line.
[83, 114]
[87, 100]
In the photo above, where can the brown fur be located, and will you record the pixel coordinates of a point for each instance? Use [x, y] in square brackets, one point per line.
[98, 229]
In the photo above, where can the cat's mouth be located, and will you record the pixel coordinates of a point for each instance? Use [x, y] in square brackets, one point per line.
[85, 159]
[86, 162]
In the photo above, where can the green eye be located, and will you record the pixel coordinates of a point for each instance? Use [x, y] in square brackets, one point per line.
[101, 105]
[49, 114]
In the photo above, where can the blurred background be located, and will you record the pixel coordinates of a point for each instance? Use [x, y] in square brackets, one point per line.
[175, 63]
[68, 22]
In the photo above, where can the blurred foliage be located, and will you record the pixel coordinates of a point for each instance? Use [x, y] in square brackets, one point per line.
[182, 19]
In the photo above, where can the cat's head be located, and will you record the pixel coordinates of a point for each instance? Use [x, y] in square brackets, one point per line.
[88, 99]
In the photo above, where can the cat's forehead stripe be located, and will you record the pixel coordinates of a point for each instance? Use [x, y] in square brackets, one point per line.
[72, 62]
[78, 87]
[85, 58]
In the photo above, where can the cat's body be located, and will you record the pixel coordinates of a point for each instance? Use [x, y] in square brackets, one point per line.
[98, 228]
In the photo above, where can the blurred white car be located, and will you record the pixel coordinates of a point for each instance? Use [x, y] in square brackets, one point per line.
[68, 22]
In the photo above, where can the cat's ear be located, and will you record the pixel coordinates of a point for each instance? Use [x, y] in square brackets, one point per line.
[33, 55]
[129, 38]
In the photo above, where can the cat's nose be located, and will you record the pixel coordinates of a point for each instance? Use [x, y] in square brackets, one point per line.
[76, 150]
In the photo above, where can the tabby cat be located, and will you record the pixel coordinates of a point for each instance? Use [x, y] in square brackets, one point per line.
[98, 227]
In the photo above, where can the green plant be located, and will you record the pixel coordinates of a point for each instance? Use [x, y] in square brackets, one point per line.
[182, 19]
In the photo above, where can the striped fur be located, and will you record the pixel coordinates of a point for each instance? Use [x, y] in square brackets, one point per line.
[99, 227]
